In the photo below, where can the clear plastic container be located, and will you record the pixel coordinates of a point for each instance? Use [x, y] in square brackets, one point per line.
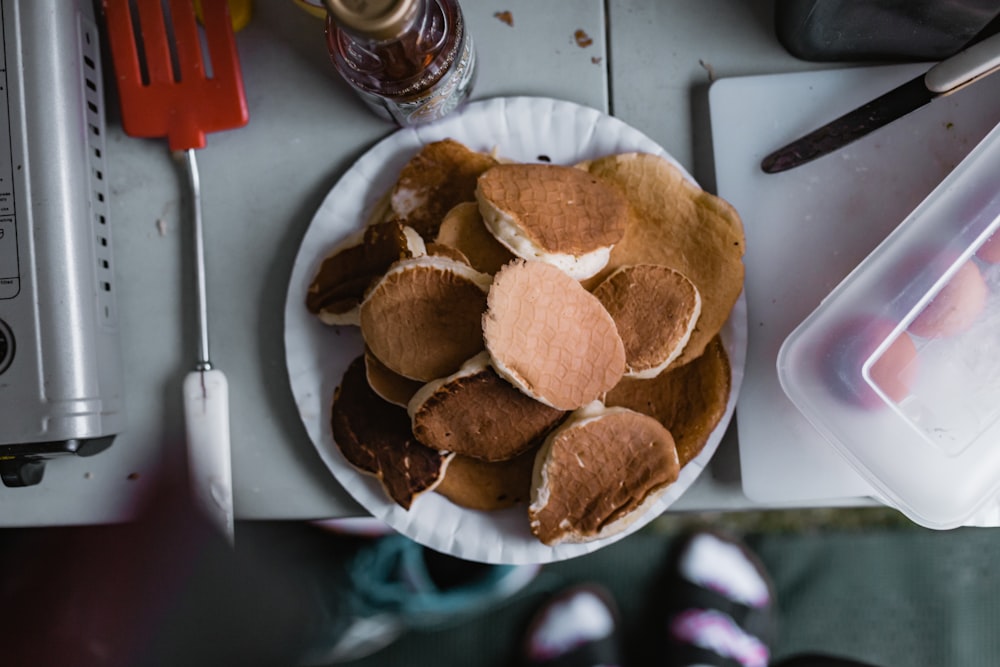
[899, 367]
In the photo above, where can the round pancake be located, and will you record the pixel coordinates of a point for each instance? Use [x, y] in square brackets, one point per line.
[549, 337]
[596, 471]
[476, 413]
[677, 224]
[339, 286]
[441, 175]
[436, 249]
[555, 214]
[388, 384]
[464, 230]
[423, 319]
[655, 309]
[487, 486]
[689, 400]
[374, 437]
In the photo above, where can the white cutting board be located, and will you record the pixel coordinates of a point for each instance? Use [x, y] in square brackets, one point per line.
[808, 227]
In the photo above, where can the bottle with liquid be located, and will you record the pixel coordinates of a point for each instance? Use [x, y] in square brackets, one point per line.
[411, 61]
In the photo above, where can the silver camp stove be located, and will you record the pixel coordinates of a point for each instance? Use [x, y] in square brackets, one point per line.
[60, 358]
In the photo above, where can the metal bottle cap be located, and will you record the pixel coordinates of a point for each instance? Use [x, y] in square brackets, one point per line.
[379, 19]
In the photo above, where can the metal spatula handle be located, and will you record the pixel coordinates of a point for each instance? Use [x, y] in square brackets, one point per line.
[169, 87]
[204, 362]
[206, 393]
[206, 417]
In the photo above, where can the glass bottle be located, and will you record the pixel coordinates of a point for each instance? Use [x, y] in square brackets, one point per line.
[411, 61]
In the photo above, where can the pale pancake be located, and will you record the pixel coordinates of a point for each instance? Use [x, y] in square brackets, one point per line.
[487, 486]
[441, 175]
[551, 338]
[655, 309]
[374, 437]
[689, 400]
[464, 230]
[677, 224]
[423, 319]
[477, 413]
[597, 471]
[340, 283]
[559, 215]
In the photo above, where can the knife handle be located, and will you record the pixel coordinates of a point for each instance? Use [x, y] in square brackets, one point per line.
[206, 416]
[964, 67]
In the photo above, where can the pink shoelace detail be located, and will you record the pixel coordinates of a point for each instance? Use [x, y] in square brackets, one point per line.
[718, 632]
[725, 591]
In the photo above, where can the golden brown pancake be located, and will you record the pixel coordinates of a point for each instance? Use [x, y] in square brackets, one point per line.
[482, 485]
[374, 437]
[677, 224]
[689, 401]
[555, 214]
[423, 319]
[655, 309]
[433, 284]
[551, 338]
[441, 250]
[391, 386]
[477, 413]
[596, 471]
[346, 273]
[437, 178]
[463, 229]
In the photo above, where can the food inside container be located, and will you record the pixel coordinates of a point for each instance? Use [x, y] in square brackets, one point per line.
[899, 367]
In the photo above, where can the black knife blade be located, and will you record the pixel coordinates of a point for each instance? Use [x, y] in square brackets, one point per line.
[851, 126]
[975, 62]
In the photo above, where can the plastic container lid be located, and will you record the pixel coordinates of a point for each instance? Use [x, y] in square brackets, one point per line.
[899, 367]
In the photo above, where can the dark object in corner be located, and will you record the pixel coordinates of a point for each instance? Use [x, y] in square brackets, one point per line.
[882, 30]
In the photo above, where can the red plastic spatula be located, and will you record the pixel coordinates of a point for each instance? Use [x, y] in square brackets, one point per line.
[167, 88]
[179, 81]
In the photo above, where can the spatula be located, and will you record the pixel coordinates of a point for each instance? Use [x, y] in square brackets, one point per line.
[170, 87]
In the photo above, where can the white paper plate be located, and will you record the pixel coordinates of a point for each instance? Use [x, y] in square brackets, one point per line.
[528, 129]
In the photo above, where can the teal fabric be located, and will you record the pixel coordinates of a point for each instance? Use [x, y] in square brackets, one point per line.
[381, 587]
[390, 576]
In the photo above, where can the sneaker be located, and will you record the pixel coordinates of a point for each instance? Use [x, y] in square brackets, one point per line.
[578, 627]
[392, 585]
[720, 601]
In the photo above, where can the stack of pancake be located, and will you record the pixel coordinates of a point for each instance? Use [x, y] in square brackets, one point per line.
[535, 334]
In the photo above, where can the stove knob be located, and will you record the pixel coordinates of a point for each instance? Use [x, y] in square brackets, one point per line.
[6, 346]
[21, 472]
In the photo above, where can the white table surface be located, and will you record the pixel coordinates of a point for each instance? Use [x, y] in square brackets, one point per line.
[650, 64]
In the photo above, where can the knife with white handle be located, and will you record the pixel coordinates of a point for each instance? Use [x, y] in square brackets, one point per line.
[964, 67]
[948, 76]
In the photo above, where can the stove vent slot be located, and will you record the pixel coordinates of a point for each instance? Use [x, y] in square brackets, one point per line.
[93, 91]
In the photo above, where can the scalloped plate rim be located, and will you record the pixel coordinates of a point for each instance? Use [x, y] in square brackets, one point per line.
[497, 537]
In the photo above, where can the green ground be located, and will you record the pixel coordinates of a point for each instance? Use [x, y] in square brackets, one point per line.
[860, 583]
